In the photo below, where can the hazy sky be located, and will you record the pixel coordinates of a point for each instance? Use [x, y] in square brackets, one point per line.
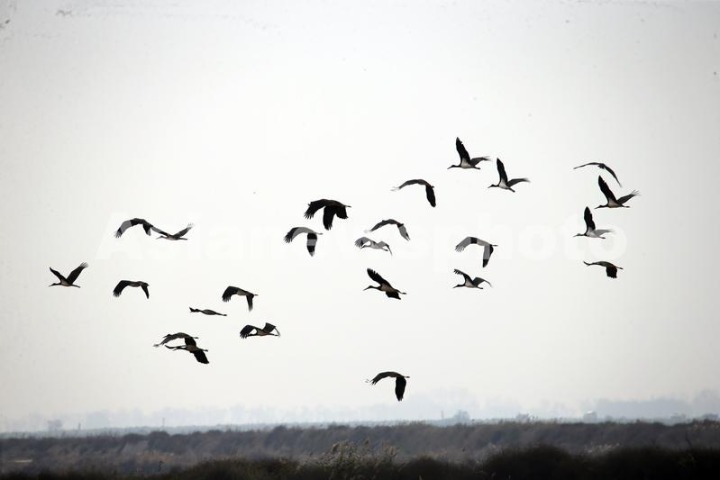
[234, 115]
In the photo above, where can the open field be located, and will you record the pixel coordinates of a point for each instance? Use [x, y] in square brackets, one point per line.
[502, 450]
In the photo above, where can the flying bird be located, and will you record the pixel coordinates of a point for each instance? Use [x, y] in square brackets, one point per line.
[603, 167]
[127, 283]
[198, 352]
[365, 242]
[189, 340]
[401, 227]
[429, 189]
[253, 331]
[610, 269]
[206, 312]
[70, 280]
[488, 248]
[503, 182]
[465, 160]
[590, 230]
[612, 202]
[175, 236]
[470, 282]
[147, 226]
[230, 291]
[333, 208]
[384, 285]
[400, 382]
[311, 237]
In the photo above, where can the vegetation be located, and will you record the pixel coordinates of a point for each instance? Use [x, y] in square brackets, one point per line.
[507, 450]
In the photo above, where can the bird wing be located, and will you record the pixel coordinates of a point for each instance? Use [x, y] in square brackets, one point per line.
[131, 223]
[120, 287]
[200, 356]
[314, 206]
[611, 271]
[610, 171]
[609, 195]
[478, 281]
[382, 375]
[464, 243]
[328, 217]
[269, 327]
[362, 241]
[400, 384]
[183, 231]
[247, 330]
[190, 341]
[515, 181]
[74, 274]
[430, 194]
[376, 276]
[487, 251]
[465, 275]
[589, 223]
[230, 291]
[464, 155]
[144, 287]
[294, 232]
[311, 242]
[585, 165]
[159, 231]
[501, 171]
[58, 275]
[249, 298]
[627, 197]
[383, 223]
[403, 231]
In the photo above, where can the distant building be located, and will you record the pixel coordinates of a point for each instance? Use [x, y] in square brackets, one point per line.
[590, 417]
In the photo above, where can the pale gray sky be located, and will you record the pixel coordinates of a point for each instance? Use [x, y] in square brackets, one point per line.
[235, 115]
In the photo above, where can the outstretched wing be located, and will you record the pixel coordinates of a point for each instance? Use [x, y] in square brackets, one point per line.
[183, 231]
[120, 287]
[469, 241]
[230, 291]
[328, 215]
[430, 194]
[464, 155]
[515, 181]
[74, 274]
[131, 223]
[294, 232]
[269, 327]
[144, 287]
[376, 277]
[487, 251]
[609, 195]
[311, 242]
[610, 171]
[200, 356]
[249, 298]
[58, 275]
[465, 275]
[400, 384]
[589, 223]
[382, 375]
[501, 171]
[627, 197]
[403, 231]
[383, 223]
[314, 207]
[247, 330]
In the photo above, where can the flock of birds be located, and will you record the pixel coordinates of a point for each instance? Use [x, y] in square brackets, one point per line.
[334, 209]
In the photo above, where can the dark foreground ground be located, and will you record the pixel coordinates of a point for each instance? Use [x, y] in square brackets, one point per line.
[413, 451]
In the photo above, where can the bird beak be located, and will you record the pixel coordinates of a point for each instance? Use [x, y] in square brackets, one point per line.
[367, 288]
